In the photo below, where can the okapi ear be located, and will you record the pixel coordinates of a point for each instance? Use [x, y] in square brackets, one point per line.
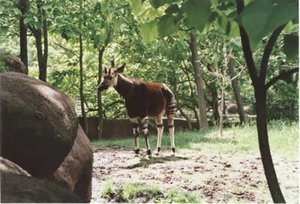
[121, 69]
[105, 70]
[112, 62]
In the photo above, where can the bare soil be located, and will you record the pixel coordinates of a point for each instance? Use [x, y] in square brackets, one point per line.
[217, 178]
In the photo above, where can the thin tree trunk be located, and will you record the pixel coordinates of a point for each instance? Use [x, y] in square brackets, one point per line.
[264, 146]
[82, 99]
[186, 71]
[258, 82]
[199, 82]
[187, 118]
[214, 102]
[100, 69]
[99, 96]
[236, 91]
[41, 38]
[222, 105]
[23, 7]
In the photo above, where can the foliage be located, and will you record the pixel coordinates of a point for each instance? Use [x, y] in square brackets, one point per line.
[135, 26]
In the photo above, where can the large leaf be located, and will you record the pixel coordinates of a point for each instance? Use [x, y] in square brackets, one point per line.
[198, 12]
[148, 31]
[136, 6]
[158, 3]
[290, 46]
[260, 17]
[167, 25]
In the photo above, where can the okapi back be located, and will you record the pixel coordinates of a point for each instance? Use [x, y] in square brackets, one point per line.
[145, 98]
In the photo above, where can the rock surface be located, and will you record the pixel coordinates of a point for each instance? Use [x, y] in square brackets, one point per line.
[76, 170]
[38, 124]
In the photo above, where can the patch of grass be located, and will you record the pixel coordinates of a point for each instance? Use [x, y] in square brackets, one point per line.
[135, 192]
[179, 196]
[283, 137]
[132, 191]
[109, 190]
[129, 192]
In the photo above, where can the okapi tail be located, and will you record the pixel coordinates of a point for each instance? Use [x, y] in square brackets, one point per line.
[171, 101]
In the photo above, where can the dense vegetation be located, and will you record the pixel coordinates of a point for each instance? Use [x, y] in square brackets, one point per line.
[114, 27]
[206, 51]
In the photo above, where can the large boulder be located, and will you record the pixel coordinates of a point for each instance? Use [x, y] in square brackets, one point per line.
[13, 63]
[17, 186]
[39, 124]
[76, 170]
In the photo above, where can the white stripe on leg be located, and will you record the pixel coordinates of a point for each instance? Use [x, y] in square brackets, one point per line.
[160, 131]
[172, 138]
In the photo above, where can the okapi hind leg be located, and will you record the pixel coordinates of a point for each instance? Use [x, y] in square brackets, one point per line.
[171, 132]
[160, 130]
[144, 123]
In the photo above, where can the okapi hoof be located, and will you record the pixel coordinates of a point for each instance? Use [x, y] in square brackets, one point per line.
[173, 151]
[137, 152]
[158, 151]
[149, 153]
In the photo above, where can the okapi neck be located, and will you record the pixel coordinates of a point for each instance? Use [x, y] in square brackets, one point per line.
[124, 86]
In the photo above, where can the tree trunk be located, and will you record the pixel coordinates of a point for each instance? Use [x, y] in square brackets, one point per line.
[82, 99]
[258, 81]
[187, 118]
[222, 104]
[199, 82]
[41, 38]
[186, 71]
[261, 123]
[23, 7]
[214, 101]
[236, 91]
[99, 97]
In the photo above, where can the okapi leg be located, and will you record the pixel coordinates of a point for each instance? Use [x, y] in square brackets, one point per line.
[171, 132]
[145, 131]
[136, 133]
[160, 130]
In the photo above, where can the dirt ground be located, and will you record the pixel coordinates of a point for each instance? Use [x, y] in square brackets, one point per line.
[216, 178]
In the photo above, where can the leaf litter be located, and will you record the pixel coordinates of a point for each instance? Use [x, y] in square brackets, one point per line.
[217, 178]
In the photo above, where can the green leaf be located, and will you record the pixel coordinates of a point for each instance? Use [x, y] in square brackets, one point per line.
[156, 3]
[136, 6]
[148, 31]
[290, 47]
[261, 17]
[172, 9]
[167, 25]
[198, 12]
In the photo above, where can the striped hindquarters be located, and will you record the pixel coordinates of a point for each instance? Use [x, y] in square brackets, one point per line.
[171, 102]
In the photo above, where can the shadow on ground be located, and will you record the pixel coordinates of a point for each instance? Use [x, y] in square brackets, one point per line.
[145, 162]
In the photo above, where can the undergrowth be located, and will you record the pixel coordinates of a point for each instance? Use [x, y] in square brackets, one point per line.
[138, 192]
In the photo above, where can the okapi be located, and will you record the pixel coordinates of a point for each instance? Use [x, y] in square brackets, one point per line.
[143, 99]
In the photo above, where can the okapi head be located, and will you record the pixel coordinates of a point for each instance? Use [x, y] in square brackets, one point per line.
[110, 77]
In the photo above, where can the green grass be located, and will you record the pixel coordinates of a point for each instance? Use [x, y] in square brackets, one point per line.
[283, 137]
[132, 192]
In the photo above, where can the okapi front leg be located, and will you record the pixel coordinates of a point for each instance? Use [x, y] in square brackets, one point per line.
[136, 133]
[145, 131]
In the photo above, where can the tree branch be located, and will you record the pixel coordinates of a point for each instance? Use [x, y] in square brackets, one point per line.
[281, 76]
[246, 46]
[267, 52]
